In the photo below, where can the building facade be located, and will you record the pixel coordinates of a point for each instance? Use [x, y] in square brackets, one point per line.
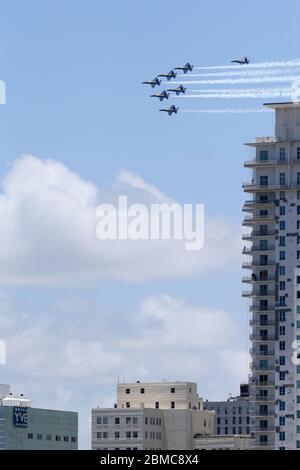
[25, 428]
[232, 417]
[274, 282]
[152, 416]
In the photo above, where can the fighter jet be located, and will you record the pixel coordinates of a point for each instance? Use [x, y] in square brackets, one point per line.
[163, 95]
[178, 90]
[243, 61]
[185, 68]
[169, 75]
[170, 110]
[153, 82]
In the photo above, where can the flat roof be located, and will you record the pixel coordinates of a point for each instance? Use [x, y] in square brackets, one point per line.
[286, 104]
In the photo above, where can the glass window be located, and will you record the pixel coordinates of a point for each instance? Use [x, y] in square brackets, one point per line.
[282, 270]
[263, 155]
[282, 153]
[263, 180]
[282, 179]
[282, 225]
[282, 210]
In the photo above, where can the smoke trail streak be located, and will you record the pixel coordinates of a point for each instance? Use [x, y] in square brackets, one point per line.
[227, 110]
[233, 81]
[240, 90]
[278, 94]
[288, 63]
[245, 73]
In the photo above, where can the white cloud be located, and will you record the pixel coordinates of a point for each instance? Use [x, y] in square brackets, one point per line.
[73, 359]
[48, 232]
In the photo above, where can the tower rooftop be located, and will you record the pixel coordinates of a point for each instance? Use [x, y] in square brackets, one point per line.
[283, 105]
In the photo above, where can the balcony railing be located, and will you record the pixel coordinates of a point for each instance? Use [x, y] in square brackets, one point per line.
[259, 368]
[258, 294]
[263, 324]
[257, 249]
[257, 279]
[252, 186]
[262, 308]
[253, 264]
[253, 219]
[254, 202]
[256, 337]
[257, 353]
[258, 233]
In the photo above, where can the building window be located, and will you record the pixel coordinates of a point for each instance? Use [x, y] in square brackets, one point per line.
[282, 436]
[226, 430]
[117, 435]
[128, 434]
[263, 180]
[298, 383]
[99, 435]
[281, 375]
[128, 420]
[30, 435]
[298, 177]
[157, 404]
[282, 179]
[142, 390]
[172, 404]
[127, 404]
[282, 240]
[73, 439]
[233, 430]
[263, 155]
[282, 210]
[57, 438]
[282, 153]
[105, 435]
[218, 431]
[282, 405]
[146, 420]
[282, 225]
[282, 315]
[127, 391]
[282, 360]
[282, 345]
[282, 330]
[99, 420]
[282, 270]
[282, 255]
[66, 438]
[282, 285]
[172, 390]
[282, 421]
[49, 437]
[134, 420]
[117, 420]
[135, 434]
[282, 390]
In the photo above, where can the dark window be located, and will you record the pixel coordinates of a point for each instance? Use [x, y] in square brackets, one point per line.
[142, 390]
[172, 404]
[117, 420]
[157, 404]
[57, 438]
[172, 390]
[30, 435]
[127, 391]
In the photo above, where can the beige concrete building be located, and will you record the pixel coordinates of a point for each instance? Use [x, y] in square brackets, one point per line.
[152, 416]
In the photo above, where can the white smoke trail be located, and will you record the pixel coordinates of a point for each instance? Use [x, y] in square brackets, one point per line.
[234, 81]
[288, 63]
[227, 110]
[246, 73]
[241, 90]
[252, 95]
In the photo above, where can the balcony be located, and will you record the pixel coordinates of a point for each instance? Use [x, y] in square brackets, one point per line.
[256, 219]
[258, 233]
[261, 354]
[257, 249]
[258, 280]
[262, 399]
[253, 187]
[261, 309]
[256, 337]
[264, 383]
[263, 429]
[258, 295]
[261, 324]
[258, 368]
[253, 204]
[257, 264]
[259, 163]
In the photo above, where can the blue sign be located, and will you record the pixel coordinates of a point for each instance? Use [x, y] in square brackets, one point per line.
[20, 417]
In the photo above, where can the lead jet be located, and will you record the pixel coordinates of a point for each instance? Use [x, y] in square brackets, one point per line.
[170, 110]
[163, 95]
[169, 75]
[185, 68]
[153, 82]
[178, 90]
[243, 61]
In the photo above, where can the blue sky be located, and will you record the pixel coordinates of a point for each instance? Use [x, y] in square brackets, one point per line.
[73, 72]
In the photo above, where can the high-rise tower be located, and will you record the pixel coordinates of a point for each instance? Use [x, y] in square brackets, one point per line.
[274, 281]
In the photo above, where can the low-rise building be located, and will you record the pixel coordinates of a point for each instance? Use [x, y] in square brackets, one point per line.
[23, 427]
[152, 416]
[233, 415]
